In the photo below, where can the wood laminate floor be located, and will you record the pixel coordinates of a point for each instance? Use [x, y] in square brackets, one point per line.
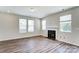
[36, 45]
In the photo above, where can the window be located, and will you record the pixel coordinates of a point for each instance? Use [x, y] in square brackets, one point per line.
[30, 25]
[65, 23]
[43, 24]
[22, 25]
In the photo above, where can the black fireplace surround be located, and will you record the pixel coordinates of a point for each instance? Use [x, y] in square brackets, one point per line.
[52, 34]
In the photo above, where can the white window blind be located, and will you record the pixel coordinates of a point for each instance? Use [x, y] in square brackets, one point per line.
[65, 23]
[22, 25]
[30, 25]
[43, 24]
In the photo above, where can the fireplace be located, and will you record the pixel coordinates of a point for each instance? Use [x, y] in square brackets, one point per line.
[52, 34]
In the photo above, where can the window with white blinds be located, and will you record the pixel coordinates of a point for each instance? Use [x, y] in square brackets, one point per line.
[65, 23]
[22, 25]
[43, 24]
[30, 25]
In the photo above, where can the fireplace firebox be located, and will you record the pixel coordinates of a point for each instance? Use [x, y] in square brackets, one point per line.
[52, 34]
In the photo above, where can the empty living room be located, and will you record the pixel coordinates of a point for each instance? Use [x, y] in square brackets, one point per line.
[39, 29]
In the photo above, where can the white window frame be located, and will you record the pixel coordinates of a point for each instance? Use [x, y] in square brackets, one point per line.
[22, 26]
[65, 19]
[43, 23]
[32, 26]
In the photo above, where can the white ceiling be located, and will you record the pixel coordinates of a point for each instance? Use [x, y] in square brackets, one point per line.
[40, 11]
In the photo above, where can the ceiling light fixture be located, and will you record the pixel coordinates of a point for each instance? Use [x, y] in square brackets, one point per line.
[32, 9]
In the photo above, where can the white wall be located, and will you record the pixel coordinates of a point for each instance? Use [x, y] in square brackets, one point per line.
[9, 27]
[53, 23]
